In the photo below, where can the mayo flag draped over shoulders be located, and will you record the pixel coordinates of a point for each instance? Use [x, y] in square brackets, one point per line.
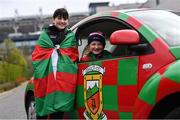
[55, 74]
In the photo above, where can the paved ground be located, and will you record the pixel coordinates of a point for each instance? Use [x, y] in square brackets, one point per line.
[12, 103]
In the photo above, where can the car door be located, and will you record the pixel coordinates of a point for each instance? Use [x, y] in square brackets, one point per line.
[107, 88]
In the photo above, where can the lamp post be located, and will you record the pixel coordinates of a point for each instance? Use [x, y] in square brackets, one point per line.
[16, 19]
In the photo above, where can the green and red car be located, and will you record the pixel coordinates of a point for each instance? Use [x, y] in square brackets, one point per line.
[141, 80]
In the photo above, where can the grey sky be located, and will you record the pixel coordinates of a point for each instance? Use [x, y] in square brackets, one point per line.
[31, 7]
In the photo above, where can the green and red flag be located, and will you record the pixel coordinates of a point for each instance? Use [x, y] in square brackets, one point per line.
[55, 74]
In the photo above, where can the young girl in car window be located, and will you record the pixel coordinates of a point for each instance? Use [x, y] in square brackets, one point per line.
[95, 48]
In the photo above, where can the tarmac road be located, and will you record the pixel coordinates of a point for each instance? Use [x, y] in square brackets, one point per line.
[12, 103]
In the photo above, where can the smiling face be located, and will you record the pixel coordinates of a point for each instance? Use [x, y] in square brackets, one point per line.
[96, 47]
[60, 22]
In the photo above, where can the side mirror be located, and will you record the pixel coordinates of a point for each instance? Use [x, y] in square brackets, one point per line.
[124, 37]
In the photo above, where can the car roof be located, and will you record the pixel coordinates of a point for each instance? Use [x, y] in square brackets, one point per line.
[129, 12]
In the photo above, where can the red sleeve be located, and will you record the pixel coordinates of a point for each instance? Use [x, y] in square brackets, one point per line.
[84, 59]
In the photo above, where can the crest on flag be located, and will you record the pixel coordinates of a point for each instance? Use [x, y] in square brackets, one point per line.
[93, 92]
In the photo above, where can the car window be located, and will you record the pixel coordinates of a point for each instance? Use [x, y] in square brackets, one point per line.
[108, 26]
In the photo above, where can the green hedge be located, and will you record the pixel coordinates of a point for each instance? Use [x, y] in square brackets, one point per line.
[14, 65]
[10, 72]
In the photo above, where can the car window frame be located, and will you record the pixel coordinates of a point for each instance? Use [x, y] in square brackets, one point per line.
[80, 27]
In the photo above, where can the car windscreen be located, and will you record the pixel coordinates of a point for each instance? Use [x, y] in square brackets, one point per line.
[164, 23]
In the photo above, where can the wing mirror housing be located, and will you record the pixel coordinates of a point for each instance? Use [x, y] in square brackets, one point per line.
[127, 36]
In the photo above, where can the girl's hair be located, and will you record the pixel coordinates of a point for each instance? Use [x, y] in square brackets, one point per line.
[61, 13]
